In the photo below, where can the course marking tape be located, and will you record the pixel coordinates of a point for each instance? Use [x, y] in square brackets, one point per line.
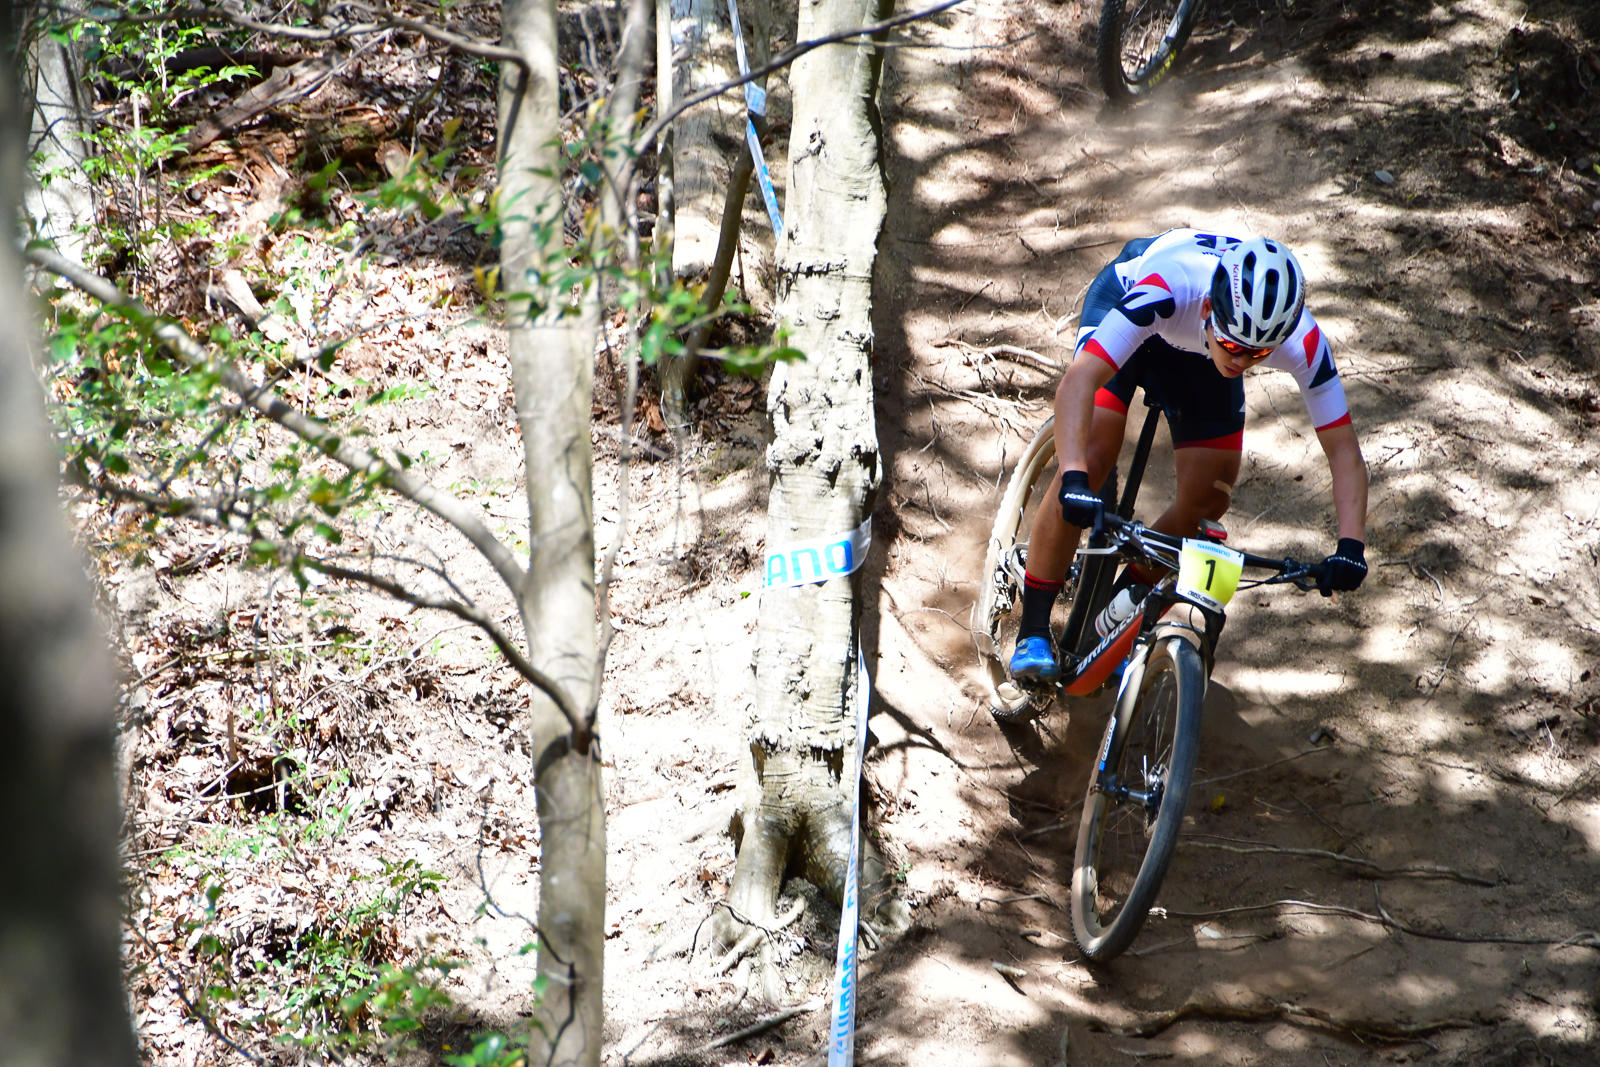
[842, 1031]
[801, 563]
[755, 103]
[818, 559]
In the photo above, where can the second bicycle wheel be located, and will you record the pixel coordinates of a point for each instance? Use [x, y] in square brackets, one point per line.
[1139, 42]
[1137, 793]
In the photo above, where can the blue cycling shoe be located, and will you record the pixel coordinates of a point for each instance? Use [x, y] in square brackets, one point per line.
[1034, 659]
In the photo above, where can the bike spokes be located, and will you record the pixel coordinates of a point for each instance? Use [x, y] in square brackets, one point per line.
[1139, 43]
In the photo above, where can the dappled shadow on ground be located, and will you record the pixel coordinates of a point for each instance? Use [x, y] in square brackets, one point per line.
[1398, 822]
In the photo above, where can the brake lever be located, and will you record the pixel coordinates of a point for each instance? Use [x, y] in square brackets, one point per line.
[1305, 577]
[1100, 539]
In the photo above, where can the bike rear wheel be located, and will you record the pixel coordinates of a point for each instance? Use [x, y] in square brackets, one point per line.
[998, 611]
[997, 615]
[1139, 42]
[1137, 793]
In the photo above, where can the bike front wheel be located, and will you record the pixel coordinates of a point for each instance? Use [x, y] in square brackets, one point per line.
[1139, 41]
[1137, 792]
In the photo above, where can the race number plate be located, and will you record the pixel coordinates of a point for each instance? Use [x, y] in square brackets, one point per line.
[1208, 573]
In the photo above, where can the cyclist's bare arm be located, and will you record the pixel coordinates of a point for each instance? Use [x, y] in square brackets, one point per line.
[1349, 470]
[1075, 408]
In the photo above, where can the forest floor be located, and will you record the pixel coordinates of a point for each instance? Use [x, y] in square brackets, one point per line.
[1433, 167]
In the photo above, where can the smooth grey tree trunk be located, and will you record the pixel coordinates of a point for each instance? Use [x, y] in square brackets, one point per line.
[552, 366]
[795, 803]
[699, 54]
[704, 188]
[53, 87]
[61, 995]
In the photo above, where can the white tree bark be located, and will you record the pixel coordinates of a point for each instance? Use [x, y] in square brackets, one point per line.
[826, 468]
[552, 366]
[701, 55]
[60, 209]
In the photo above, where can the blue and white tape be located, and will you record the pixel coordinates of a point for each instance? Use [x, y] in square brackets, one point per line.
[755, 103]
[842, 1027]
[818, 559]
[801, 563]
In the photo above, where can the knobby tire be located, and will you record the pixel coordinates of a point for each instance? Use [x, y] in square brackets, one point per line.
[1135, 50]
[1123, 847]
[998, 612]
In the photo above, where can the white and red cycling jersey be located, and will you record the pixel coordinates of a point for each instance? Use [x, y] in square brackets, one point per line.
[1163, 282]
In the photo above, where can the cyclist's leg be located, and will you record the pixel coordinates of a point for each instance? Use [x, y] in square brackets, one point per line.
[1205, 478]
[1052, 541]
[1205, 413]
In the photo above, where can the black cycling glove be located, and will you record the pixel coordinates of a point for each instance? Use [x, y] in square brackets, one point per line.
[1345, 569]
[1080, 506]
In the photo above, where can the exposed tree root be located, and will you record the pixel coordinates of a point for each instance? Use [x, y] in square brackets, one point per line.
[1581, 939]
[1370, 868]
[761, 1026]
[1203, 1007]
[754, 935]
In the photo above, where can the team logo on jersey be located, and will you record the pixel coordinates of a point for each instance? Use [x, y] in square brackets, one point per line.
[1147, 301]
[1313, 345]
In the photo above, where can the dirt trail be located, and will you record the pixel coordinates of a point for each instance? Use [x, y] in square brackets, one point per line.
[1459, 289]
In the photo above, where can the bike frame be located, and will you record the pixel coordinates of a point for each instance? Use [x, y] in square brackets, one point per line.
[1094, 664]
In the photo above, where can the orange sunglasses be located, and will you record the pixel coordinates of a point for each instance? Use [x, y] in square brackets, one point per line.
[1234, 348]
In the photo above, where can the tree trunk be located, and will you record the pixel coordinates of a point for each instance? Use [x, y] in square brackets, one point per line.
[795, 805]
[695, 164]
[701, 56]
[53, 90]
[61, 996]
[552, 367]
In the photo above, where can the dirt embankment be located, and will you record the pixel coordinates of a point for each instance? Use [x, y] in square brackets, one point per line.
[1434, 167]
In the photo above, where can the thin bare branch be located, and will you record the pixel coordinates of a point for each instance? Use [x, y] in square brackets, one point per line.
[778, 62]
[461, 610]
[362, 461]
[340, 29]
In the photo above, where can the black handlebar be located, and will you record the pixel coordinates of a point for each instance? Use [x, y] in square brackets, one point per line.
[1113, 531]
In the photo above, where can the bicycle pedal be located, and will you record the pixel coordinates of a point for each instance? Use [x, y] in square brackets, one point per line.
[1015, 703]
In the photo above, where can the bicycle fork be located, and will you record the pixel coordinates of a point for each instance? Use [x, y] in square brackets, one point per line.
[1189, 623]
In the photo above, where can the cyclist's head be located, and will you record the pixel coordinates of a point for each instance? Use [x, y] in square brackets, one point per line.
[1257, 293]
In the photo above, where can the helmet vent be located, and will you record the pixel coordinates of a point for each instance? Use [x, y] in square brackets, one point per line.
[1257, 292]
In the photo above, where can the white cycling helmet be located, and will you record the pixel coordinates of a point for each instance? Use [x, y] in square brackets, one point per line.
[1257, 293]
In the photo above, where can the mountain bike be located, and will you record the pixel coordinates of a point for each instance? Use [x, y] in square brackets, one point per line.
[1133, 809]
[1139, 42]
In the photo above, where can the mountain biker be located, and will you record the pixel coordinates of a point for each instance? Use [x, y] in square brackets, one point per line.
[1184, 315]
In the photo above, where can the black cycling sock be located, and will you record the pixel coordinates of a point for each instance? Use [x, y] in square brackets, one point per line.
[1038, 597]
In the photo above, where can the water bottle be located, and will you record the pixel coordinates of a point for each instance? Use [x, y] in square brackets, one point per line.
[1122, 605]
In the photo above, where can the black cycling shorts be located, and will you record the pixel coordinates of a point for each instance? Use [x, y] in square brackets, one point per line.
[1204, 409]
